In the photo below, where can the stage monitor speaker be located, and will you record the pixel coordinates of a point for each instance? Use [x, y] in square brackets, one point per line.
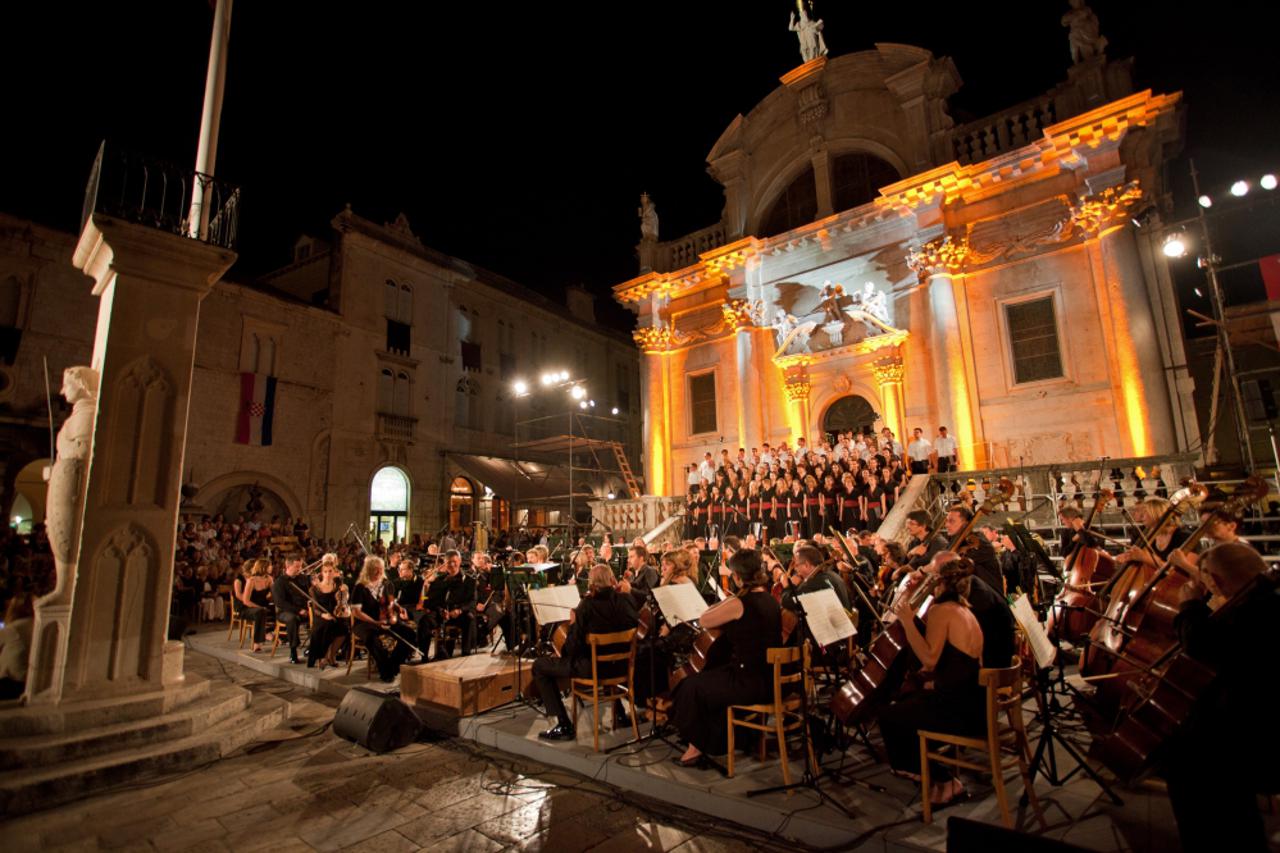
[965, 836]
[377, 721]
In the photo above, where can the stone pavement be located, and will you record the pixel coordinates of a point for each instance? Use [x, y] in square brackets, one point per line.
[303, 788]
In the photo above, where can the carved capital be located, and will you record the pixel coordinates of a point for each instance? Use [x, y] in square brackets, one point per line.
[888, 370]
[657, 338]
[796, 382]
[743, 313]
[1095, 212]
[944, 255]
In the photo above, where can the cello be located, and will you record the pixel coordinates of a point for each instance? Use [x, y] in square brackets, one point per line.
[1076, 609]
[884, 664]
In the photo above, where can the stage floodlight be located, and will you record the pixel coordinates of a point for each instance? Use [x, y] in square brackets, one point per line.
[578, 392]
[520, 387]
[1205, 201]
[1240, 189]
[615, 410]
[1268, 182]
[1175, 245]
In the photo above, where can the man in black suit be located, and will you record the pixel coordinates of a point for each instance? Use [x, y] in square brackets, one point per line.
[603, 611]
[451, 602]
[290, 601]
[922, 548]
[986, 565]
[807, 560]
[640, 576]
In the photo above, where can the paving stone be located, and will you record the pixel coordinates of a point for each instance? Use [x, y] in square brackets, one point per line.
[386, 842]
[191, 834]
[467, 841]
[643, 834]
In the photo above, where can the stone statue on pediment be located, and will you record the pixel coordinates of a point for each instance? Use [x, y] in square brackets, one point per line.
[66, 476]
[1083, 32]
[809, 32]
[648, 218]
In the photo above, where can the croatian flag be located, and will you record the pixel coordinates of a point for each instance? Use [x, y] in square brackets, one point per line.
[257, 408]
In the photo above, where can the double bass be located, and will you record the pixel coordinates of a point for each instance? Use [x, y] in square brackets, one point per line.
[885, 664]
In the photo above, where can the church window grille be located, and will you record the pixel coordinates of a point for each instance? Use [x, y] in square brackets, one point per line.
[702, 399]
[856, 178]
[1033, 340]
[798, 205]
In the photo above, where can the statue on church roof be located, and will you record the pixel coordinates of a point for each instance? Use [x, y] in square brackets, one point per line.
[809, 32]
[648, 218]
[1083, 32]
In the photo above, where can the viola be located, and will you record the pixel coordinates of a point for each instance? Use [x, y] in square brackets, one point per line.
[1085, 564]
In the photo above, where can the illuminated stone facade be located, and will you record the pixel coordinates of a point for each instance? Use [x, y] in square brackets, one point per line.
[997, 287]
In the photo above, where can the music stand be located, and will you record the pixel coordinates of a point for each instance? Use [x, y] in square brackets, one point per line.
[655, 733]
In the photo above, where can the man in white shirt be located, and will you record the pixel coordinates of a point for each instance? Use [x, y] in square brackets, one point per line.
[945, 447]
[708, 469]
[766, 456]
[919, 451]
[889, 443]
[695, 476]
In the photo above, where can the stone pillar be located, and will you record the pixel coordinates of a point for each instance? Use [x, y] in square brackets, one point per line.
[937, 263]
[655, 343]
[112, 640]
[889, 372]
[796, 385]
[745, 316]
[822, 180]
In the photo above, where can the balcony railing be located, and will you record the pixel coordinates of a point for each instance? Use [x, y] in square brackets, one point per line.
[159, 195]
[634, 517]
[1004, 131]
[679, 253]
[396, 427]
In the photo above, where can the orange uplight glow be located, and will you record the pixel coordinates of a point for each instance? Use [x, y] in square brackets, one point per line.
[1132, 393]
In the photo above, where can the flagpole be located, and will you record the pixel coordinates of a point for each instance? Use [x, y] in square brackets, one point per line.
[207, 149]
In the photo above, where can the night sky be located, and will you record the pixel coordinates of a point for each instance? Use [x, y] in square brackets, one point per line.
[519, 136]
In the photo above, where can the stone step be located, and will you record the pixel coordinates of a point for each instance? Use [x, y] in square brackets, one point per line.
[223, 701]
[22, 721]
[26, 790]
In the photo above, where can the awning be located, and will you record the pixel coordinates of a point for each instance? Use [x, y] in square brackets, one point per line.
[522, 481]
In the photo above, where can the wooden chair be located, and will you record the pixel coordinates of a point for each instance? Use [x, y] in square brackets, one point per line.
[233, 610]
[309, 622]
[352, 642]
[1005, 745]
[786, 710]
[596, 688]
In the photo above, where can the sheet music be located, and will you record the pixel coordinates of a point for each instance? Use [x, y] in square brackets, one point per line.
[1041, 645]
[554, 603]
[827, 620]
[679, 602]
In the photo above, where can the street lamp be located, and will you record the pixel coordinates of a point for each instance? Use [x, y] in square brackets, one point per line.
[1175, 245]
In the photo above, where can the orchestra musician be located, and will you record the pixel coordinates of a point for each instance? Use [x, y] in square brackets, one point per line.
[1222, 529]
[952, 647]
[255, 600]
[749, 623]
[409, 585]
[986, 565]
[922, 547]
[330, 630]
[1073, 536]
[639, 577]
[373, 622]
[450, 601]
[1225, 755]
[602, 611]
[811, 574]
[291, 603]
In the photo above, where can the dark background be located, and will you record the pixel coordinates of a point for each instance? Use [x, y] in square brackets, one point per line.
[519, 136]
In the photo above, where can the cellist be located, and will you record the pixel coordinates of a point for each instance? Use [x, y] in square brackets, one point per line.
[1226, 754]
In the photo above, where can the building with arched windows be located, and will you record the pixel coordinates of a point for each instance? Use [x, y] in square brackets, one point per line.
[369, 382]
[877, 264]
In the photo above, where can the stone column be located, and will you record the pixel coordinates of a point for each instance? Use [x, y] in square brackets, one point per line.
[655, 343]
[111, 643]
[745, 316]
[795, 379]
[889, 372]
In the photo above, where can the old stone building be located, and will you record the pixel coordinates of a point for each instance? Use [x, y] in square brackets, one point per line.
[877, 265]
[389, 368]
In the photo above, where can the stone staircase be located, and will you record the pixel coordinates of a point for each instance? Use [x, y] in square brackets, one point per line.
[48, 760]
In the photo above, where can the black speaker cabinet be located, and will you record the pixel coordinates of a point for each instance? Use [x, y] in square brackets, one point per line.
[376, 721]
[971, 836]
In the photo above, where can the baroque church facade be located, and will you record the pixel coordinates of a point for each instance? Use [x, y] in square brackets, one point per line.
[878, 265]
[390, 367]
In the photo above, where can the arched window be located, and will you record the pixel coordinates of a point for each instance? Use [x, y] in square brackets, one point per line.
[856, 178]
[389, 505]
[391, 300]
[796, 206]
[400, 395]
[405, 305]
[462, 503]
[386, 391]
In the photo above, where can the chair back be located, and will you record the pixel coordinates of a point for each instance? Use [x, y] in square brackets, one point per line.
[780, 657]
[617, 638]
[1004, 694]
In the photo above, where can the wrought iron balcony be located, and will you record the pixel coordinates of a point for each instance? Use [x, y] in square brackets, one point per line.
[159, 195]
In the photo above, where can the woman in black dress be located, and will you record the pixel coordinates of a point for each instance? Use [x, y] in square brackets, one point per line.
[741, 503]
[795, 509]
[386, 639]
[850, 505]
[952, 647]
[812, 508]
[749, 623]
[830, 506]
[331, 629]
[255, 600]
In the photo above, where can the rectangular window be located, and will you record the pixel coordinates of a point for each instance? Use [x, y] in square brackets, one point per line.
[702, 402]
[397, 337]
[1033, 340]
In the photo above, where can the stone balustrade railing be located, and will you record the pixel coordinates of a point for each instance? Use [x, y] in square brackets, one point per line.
[680, 253]
[637, 516]
[1012, 128]
[396, 427]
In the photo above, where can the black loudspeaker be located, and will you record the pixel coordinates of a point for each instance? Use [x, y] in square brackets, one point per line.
[970, 836]
[376, 721]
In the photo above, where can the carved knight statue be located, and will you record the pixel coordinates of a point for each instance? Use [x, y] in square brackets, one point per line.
[1083, 32]
[67, 474]
[809, 32]
[648, 218]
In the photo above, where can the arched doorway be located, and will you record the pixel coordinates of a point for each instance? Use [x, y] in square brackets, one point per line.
[28, 502]
[849, 414]
[389, 505]
[462, 503]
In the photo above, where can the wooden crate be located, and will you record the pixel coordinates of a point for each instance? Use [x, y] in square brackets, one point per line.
[467, 685]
